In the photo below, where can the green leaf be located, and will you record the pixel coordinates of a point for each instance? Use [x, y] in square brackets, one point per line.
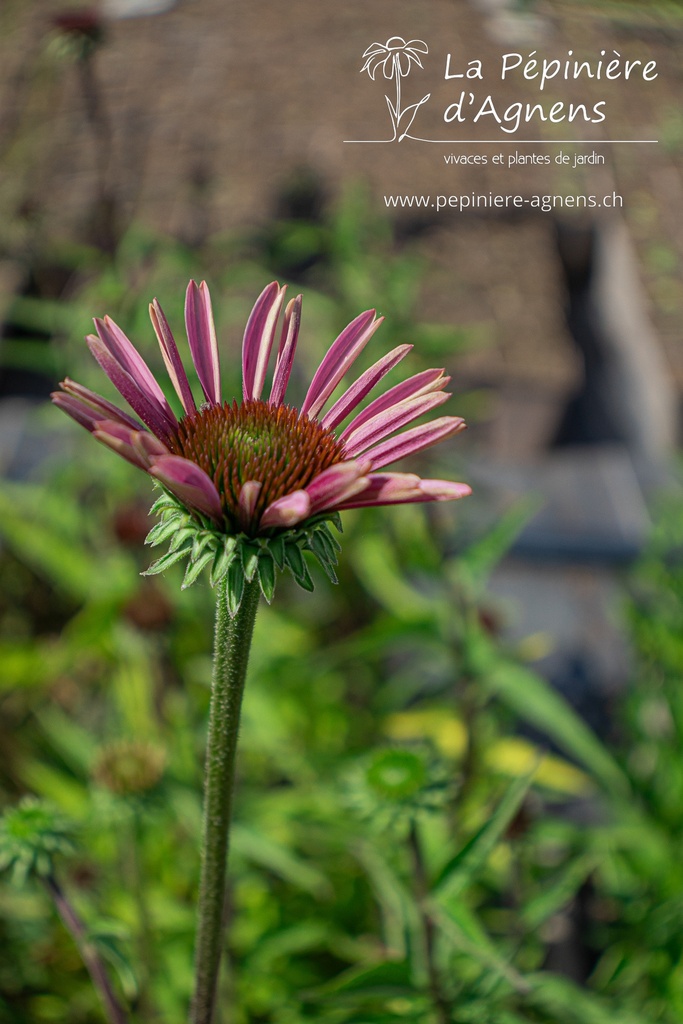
[45, 532]
[390, 978]
[266, 575]
[401, 921]
[536, 702]
[459, 872]
[564, 1001]
[462, 929]
[107, 937]
[481, 558]
[551, 899]
[259, 849]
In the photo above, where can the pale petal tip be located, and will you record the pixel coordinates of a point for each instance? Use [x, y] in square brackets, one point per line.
[444, 490]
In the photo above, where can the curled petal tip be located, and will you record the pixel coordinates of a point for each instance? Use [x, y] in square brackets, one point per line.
[247, 501]
[189, 483]
[287, 511]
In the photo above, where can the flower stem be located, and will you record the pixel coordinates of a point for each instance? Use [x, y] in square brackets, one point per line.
[231, 652]
[89, 955]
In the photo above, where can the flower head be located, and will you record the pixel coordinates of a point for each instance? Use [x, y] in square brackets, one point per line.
[130, 767]
[31, 835]
[392, 786]
[249, 483]
[394, 57]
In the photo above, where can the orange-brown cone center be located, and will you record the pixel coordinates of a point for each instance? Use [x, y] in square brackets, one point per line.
[274, 445]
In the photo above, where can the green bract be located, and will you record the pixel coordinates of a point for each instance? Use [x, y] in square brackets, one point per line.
[238, 558]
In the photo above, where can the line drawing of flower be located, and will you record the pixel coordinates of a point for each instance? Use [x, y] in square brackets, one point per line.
[396, 58]
[258, 468]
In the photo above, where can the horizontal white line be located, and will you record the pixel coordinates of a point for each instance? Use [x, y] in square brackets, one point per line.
[510, 142]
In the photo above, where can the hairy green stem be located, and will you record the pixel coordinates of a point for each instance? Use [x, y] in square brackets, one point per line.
[231, 653]
[91, 958]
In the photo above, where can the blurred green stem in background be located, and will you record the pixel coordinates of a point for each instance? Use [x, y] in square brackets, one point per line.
[232, 642]
[89, 955]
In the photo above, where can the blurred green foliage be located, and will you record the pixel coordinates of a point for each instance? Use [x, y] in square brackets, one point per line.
[400, 852]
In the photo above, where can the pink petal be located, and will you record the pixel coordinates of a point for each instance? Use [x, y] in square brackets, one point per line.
[381, 488]
[148, 446]
[285, 355]
[336, 484]
[130, 360]
[78, 411]
[444, 490]
[287, 511]
[189, 483]
[169, 351]
[258, 339]
[365, 383]
[404, 489]
[247, 501]
[414, 440]
[149, 411]
[120, 440]
[385, 423]
[342, 353]
[201, 334]
[99, 405]
[420, 384]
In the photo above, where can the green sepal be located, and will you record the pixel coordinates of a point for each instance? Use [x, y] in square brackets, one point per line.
[250, 556]
[336, 520]
[327, 568]
[167, 560]
[222, 559]
[235, 587]
[239, 557]
[276, 546]
[194, 568]
[162, 531]
[295, 561]
[322, 553]
[329, 540]
[266, 575]
[163, 504]
[201, 539]
[179, 538]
